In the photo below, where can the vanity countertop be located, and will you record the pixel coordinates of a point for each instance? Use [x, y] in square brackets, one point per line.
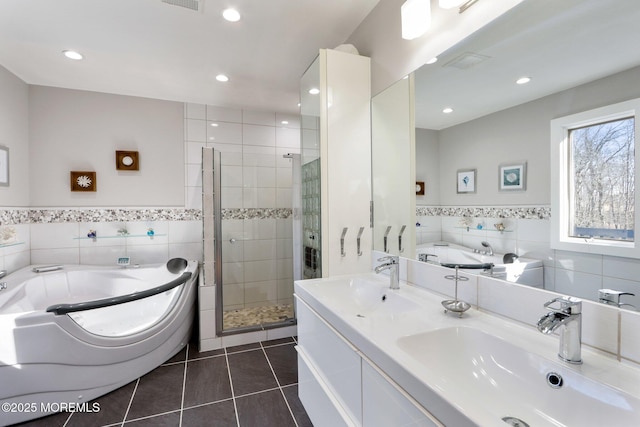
[440, 359]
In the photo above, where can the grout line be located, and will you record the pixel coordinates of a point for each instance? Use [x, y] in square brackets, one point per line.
[253, 393]
[135, 388]
[68, 419]
[146, 417]
[286, 402]
[199, 405]
[184, 384]
[233, 393]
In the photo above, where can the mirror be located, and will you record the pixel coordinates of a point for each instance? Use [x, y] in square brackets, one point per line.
[579, 55]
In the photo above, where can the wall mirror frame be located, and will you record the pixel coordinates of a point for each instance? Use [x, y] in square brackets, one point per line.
[578, 55]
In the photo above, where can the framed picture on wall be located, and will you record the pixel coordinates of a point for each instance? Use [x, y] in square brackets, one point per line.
[466, 181]
[4, 166]
[513, 176]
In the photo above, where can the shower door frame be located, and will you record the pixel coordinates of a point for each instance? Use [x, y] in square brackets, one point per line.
[218, 263]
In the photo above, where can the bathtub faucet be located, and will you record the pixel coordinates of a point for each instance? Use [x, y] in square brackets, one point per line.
[489, 250]
[3, 273]
[392, 264]
[568, 317]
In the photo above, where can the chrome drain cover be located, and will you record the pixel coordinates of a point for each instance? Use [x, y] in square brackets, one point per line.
[515, 422]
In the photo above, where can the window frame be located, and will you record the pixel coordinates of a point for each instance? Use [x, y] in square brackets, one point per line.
[561, 181]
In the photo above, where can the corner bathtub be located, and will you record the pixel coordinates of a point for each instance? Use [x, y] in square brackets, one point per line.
[70, 335]
[525, 271]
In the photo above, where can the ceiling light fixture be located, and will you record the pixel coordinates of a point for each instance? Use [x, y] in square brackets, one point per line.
[222, 78]
[416, 18]
[523, 80]
[314, 91]
[432, 60]
[231, 15]
[448, 110]
[284, 122]
[215, 125]
[72, 54]
[450, 4]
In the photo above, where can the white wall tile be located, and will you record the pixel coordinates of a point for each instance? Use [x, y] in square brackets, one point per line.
[224, 114]
[292, 119]
[583, 262]
[581, 285]
[55, 256]
[265, 118]
[287, 137]
[196, 130]
[259, 250]
[265, 291]
[190, 251]
[259, 135]
[223, 133]
[600, 326]
[55, 235]
[184, 231]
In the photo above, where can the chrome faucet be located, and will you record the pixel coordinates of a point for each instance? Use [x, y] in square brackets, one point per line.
[611, 297]
[568, 317]
[392, 264]
[3, 273]
[489, 250]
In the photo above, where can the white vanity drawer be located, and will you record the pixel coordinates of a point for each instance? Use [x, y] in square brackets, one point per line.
[321, 406]
[386, 404]
[335, 360]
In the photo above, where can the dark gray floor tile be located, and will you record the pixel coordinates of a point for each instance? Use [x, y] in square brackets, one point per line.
[244, 347]
[55, 420]
[300, 414]
[195, 354]
[265, 409]
[207, 381]
[250, 372]
[284, 361]
[159, 391]
[180, 356]
[113, 407]
[277, 342]
[166, 420]
[221, 414]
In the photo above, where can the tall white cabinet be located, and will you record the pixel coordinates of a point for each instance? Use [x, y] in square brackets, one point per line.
[335, 97]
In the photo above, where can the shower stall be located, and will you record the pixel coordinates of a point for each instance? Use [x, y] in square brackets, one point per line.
[255, 251]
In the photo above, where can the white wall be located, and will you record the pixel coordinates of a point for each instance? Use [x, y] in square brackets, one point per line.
[14, 133]
[519, 133]
[81, 130]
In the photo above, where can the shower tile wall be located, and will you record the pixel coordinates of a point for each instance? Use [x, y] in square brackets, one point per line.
[256, 197]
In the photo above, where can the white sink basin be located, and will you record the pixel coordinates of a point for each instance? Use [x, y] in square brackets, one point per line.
[487, 375]
[363, 296]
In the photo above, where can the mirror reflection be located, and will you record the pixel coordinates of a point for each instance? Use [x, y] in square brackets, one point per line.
[485, 106]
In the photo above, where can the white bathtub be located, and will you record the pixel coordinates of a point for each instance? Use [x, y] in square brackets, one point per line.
[71, 335]
[525, 271]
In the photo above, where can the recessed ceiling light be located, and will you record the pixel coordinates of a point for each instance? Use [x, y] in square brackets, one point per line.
[432, 60]
[284, 122]
[448, 110]
[72, 54]
[523, 80]
[314, 91]
[222, 78]
[215, 125]
[231, 15]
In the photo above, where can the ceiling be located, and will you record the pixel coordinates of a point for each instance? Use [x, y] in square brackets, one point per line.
[559, 44]
[152, 49]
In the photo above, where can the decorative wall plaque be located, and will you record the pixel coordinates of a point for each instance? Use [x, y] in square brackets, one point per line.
[127, 161]
[83, 181]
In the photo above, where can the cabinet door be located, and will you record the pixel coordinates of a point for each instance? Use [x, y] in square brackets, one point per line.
[385, 404]
[337, 363]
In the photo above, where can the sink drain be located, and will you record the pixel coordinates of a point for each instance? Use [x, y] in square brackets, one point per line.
[516, 422]
[554, 380]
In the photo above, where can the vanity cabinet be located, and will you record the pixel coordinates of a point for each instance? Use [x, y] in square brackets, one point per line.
[335, 108]
[339, 386]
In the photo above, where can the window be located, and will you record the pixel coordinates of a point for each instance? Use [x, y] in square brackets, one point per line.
[593, 162]
[602, 180]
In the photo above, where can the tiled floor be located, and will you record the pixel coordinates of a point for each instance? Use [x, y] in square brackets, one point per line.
[253, 385]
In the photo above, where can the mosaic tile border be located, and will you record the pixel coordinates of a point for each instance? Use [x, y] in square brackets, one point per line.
[528, 212]
[257, 213]
[46, 216]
